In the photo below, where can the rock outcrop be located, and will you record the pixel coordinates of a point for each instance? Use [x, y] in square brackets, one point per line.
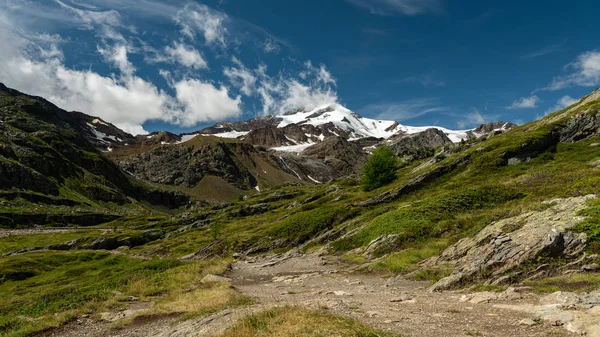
[490, 129]
[576, 313]
[418, 145]
[186, 164]
[580, 127]
[343, 156]
[499, 253]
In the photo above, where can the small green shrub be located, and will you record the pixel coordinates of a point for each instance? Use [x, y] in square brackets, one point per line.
[380, 169]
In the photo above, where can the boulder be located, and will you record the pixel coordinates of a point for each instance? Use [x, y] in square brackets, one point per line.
[418, 145]
[498, 248]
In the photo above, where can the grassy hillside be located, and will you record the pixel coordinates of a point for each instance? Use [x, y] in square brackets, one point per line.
[433, 204]
[51, 173]
[209, 169]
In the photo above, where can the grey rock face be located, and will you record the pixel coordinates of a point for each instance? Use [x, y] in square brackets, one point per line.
[580, 127]
[414, 144]
[187, 165]
[496, 249]
[490, 129]
[343, 156]
[382, 245]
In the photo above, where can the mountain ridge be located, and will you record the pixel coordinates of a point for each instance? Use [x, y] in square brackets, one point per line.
[513, 211]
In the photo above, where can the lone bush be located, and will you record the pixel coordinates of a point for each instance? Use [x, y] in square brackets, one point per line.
[380, 169]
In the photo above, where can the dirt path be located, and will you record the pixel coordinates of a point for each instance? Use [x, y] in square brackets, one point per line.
[322, 283]
[398, 305]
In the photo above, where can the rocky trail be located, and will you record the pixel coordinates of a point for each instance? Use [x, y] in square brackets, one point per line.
[394, 304]
[318, 282]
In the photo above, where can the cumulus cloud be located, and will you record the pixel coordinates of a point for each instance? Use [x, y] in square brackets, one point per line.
[186, 55]
[125, 94]
[117, 55]
[197, 18]
[525, 103]
[405, 7]
[241, 77]
[584, 71]
[313, 87]
[202, 101]
[36, 65]
[562, 103]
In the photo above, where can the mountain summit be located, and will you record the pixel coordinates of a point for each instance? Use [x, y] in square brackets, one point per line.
[296, 130]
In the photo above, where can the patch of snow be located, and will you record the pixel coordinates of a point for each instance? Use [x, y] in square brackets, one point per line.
[359, 127]
[101, 135]
[289, 168]
[342, 118]
[292, 148]
[257, 188]
[315, 180]
[230, 134]
[186, 138]
[291, 140]
[321, 137]
[97, 121]
[454, 135]
[163, 143]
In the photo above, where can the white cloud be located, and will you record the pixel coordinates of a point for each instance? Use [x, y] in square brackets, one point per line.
[405, 7]
[562, 103]
[585, 72]
[126, 100]
[203, 101]
[284, 92]
[34, 63]
[525, 103]
[402, 111]
[474, 118]
[271, 46]
[92, 18]
[117, 55]
[241, 77]
[186, 55]
[105, 22]
[194, 18]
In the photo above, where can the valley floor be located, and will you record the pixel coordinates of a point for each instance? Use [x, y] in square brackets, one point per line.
[322, 283]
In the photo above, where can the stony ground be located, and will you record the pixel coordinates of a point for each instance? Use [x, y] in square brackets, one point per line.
[322, 283]
[397, 305]
[42, 230]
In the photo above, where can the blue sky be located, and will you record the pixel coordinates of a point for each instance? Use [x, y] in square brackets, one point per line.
[148, 65]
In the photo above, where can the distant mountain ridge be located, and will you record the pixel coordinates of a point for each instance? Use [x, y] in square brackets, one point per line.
[297, 130]
[226, 160]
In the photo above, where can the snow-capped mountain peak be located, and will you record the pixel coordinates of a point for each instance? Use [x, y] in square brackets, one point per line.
[342, 118]
[296, 130]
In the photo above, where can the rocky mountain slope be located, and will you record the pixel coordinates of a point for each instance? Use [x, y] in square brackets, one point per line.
[48, 156]
[262, 152]
[296, 130]
[513, 213]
